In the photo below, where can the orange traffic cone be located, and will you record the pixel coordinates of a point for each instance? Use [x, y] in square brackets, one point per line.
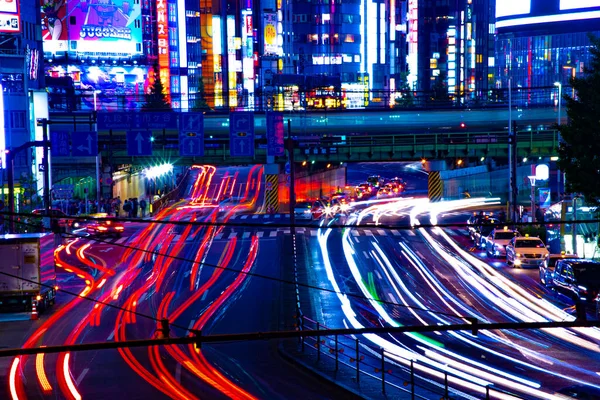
[34, 313]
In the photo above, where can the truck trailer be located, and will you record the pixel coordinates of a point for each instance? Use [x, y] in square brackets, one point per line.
[27, 272]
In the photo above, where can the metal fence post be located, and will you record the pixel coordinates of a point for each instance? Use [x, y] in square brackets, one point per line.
[383, 370]
[318, 343]
[487, 392]
[336, 352]
[412, 379]
[302, 328]
[357, 361]
[446, 396]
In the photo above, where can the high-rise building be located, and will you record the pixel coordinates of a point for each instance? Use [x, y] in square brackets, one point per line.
[450, 49]
[540, 44]
[22, 98]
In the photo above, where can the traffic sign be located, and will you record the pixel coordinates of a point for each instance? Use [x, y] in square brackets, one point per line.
[59, 142]
[275, 145]
[137, 120]
[139, 143]
[241, 134]
[191, 135]
[85, 144]
[191, 144]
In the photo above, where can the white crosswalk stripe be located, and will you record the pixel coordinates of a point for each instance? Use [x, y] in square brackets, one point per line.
[314, 232]
[368, 232]
[355, 232]
[395, 232]
[232, 235]
[259, 234]
[410, 233]
[272, 233]
[244, 217]
[246, 235]
[255, 216]
[381, 232]
[277, 215]
[218, 236]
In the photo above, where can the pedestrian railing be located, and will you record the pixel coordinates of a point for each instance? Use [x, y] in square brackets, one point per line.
[378, 364]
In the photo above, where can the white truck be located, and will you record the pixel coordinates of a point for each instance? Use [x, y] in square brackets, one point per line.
[27, 272]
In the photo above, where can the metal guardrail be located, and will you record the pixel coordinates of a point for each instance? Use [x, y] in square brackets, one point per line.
[347, 352]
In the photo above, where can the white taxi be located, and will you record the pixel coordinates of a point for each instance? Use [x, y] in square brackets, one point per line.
[526, 252]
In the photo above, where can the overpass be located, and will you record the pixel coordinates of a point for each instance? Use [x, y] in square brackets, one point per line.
[352, 122]
[397, 147]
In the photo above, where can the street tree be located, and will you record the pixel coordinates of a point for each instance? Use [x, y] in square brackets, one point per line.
[156, 98]
[579, 149]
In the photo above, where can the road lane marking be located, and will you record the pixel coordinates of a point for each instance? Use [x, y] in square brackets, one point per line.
[244, 217]
[273, 234]
[232, 235]
[381, 232]
[355, 232]
[378, 274]
[314, 232]
[204, 295]
[395, 232]
[410, 233]
[259, 234]
[246, 235]
[121, 240]
[112, 335]
[368, 232]
[255, 216]
[367, 256]
[83, 373]
[219, 236]
[277, 215]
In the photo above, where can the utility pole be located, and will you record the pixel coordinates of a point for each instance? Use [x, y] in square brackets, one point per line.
[46, 166]
[290, 147]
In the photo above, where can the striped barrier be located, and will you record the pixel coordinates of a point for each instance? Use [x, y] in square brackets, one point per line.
[435, 188]
[272, 193]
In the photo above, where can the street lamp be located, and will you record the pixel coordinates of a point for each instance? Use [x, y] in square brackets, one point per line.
[559, 98]
[95, 104]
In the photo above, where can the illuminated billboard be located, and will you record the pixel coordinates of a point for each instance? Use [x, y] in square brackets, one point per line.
[512, 7]
[117, 87]
[9, 16]
[54, 25]
[514, 13]
[578, 4]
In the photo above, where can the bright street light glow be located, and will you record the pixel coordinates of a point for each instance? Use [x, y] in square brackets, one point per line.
[155, 172]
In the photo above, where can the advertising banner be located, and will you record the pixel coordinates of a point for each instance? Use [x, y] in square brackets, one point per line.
[275, 132]
[9, 16]
[270, 33]
[105, 26]
[54, 25]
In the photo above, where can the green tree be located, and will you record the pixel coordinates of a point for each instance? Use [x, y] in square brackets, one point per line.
[579, 149]
[440, 88]
[156, 99]
[200, 100]
[405, 98]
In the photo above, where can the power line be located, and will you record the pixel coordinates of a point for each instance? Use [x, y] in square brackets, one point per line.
[247, 273]
[200, 339]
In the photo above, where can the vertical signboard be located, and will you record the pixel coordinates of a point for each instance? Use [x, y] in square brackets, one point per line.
[275, 144]
[162, 32]
[270, 33]
[191, 135]
[10, 21]
[59, 144]
[241, 134]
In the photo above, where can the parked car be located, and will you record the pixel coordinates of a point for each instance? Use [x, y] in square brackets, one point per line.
[579, 281]
[495, 243]
[547, 267]
[302, 210]
[108, 227]
[526, 252]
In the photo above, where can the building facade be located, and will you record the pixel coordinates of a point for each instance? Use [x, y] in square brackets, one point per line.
[541, 45]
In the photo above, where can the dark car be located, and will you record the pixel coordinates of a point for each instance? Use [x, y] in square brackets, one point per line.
[579, 281]
[547, 267]
[108, 227]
